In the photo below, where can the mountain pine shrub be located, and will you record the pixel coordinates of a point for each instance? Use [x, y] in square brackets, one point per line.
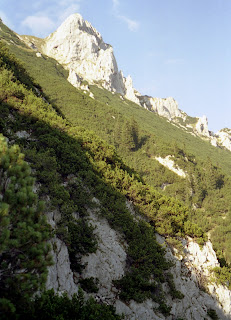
[24, 251]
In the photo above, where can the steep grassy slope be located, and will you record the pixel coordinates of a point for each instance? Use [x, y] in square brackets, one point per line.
[207, 189]
[79, 107]
[55, 150]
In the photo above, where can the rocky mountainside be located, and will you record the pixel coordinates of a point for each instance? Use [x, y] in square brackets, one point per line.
[79, 47]
[108, 226]
[190, 270]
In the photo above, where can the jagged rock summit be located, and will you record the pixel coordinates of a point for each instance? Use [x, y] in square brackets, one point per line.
[80, 48]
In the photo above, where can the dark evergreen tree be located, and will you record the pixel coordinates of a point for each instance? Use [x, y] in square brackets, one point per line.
[130, 135]
[135, 132]
[24, 252]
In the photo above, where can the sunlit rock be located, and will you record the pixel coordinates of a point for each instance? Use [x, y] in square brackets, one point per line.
[167, 108]
[202, 126]
[224, 138]
[80, 48]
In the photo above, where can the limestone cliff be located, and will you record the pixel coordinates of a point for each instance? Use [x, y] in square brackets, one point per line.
[80, 48]
[224, 138]
[202, 126]
[191, 272]
[167, 108]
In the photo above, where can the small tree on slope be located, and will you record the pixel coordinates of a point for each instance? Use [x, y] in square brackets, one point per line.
[24, 252]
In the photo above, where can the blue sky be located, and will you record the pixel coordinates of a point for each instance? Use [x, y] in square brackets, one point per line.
[178, 48]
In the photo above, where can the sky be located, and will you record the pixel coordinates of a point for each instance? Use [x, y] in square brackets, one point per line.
[171, 48]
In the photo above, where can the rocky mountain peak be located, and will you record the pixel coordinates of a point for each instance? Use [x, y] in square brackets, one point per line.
[76, 21]
[73, 25]
[78, 46]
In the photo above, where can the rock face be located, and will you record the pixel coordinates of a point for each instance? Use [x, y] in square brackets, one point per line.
[80, 48]
[109, 261]
[202, 127]
[224, 138]
[167, 108]
[191, 272]
[130, 93]
[60, 277]
[74, 78]
[200, 262]
[169, 163]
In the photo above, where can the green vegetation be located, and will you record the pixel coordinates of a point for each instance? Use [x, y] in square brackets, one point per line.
[92, 161]
[57, 150]
[60, 307]
[207, 191]
[191, 120]
[109, 117]
[89, 284]
[24, 252]
[174, 293]
[24, 231]
[72, 165]
[212, 313]
[223, 275]
[98, 114]
[164, 309]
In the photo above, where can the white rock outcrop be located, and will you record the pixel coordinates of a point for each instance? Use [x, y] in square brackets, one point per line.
[191, 272]
[78, 46]
[130, 93]
[60, 277]
[108, 262]
[169, 163]
[74, 78]
[139, 311]
[200, 262]
[22, 134]
[167, 108]
[202, 127]
[224, 138]
[203, 259]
